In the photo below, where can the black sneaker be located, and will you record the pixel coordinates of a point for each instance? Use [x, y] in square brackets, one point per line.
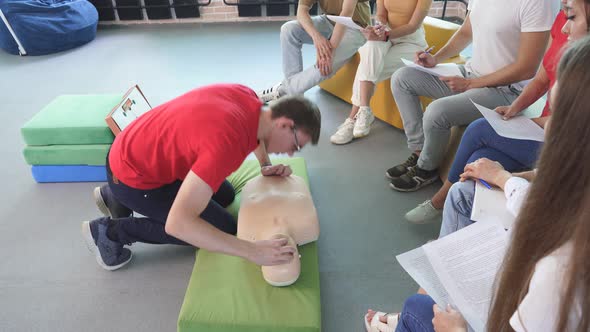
[110, 255]
[108, 204]
[401, 169]
[414, 179]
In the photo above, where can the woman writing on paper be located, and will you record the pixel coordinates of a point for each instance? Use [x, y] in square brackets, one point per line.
[398, 33]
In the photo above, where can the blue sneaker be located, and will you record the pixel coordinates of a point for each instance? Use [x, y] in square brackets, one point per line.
[108, 204]
[110, 255]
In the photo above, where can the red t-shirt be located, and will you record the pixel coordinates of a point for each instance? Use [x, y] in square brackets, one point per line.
[209, 130]
[551, 58]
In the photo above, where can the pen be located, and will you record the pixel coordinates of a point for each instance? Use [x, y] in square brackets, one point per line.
[487, 185]
[428, 50]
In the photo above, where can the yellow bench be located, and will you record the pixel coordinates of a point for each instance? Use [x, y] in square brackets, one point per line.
[438, 32]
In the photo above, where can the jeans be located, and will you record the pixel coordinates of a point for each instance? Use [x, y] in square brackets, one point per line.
[429, 131]
[155, 205]
[293, 36]
[379, 60]
[417, 314]
[481, 140]
[458, 207]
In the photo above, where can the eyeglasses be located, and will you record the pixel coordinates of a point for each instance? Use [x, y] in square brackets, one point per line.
[297, 146]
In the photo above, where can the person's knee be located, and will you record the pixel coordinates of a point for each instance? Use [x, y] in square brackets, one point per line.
[435, 114]
[479, 127]
[418, 307]
[288, 28]
[369, 50]
[460, 196]
[402, 79]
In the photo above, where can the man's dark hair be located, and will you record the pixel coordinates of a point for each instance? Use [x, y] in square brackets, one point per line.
[304, 113]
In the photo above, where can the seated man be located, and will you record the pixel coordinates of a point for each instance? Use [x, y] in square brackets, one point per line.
[274, 207]
[335, 44]
[509, 39]
[169, 162]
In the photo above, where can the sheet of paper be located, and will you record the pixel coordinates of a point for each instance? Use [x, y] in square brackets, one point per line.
[344, 20]
[489, 205]
[518, 127]
[442, 69]
[418, 267]
[466, 263]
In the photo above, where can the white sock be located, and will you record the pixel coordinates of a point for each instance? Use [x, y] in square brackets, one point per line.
[365, 108]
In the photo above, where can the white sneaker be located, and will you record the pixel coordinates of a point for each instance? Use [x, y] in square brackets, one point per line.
[423, 213]
[344, 133]
[364, 119]
[269, 95]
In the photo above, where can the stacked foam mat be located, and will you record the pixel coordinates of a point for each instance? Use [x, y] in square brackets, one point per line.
[68, 140]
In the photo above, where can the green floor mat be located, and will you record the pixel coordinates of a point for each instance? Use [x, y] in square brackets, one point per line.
[72, 119]
[89, 154]
[228, 293]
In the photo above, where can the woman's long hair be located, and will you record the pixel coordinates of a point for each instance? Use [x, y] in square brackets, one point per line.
[557, 210]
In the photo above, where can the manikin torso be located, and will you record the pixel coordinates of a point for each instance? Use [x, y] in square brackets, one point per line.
[272, 206]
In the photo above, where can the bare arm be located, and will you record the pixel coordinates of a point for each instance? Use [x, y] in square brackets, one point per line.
[457, 43]
[422, 8]
[492, 172]
[266, 166]
[184, 222]
[304, 19]
[381, 14]
[261, 155]
[531, 93]
[322, 45]
[348, 7]
[530, 52]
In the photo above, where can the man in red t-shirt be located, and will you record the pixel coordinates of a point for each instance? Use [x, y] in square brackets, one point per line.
[170, 166]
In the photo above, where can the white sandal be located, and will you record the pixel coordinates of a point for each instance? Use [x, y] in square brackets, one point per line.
[377, 326]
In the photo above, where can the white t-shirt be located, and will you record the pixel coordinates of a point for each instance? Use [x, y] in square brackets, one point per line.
[496, 26]
[539, 310]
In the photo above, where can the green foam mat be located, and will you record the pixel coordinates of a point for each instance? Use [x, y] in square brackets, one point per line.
[72, 119]
[228, 293]
[88, 154]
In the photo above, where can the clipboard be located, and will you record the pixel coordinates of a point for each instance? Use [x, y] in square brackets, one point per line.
[132, 106]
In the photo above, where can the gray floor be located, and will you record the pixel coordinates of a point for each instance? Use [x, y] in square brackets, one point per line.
[50, 282]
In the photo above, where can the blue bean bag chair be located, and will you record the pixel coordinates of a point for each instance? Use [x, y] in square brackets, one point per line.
[47, 26]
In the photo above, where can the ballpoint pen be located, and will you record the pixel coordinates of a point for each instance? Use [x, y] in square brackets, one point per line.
[487, 185]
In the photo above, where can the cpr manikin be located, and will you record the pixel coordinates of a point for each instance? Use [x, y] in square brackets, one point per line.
[274, 206]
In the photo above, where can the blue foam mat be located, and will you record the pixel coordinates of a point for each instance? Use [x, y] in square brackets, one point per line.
[69, 173]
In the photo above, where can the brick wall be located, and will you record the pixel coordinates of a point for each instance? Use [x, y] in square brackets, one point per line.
[217, 11]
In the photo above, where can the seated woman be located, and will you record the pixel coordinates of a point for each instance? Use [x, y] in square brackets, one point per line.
[539, 286]
[277, 207]
[480, 140]
[381, 57]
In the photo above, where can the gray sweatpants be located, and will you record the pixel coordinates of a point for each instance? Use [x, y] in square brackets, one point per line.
[429, 131]
[293, 36]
